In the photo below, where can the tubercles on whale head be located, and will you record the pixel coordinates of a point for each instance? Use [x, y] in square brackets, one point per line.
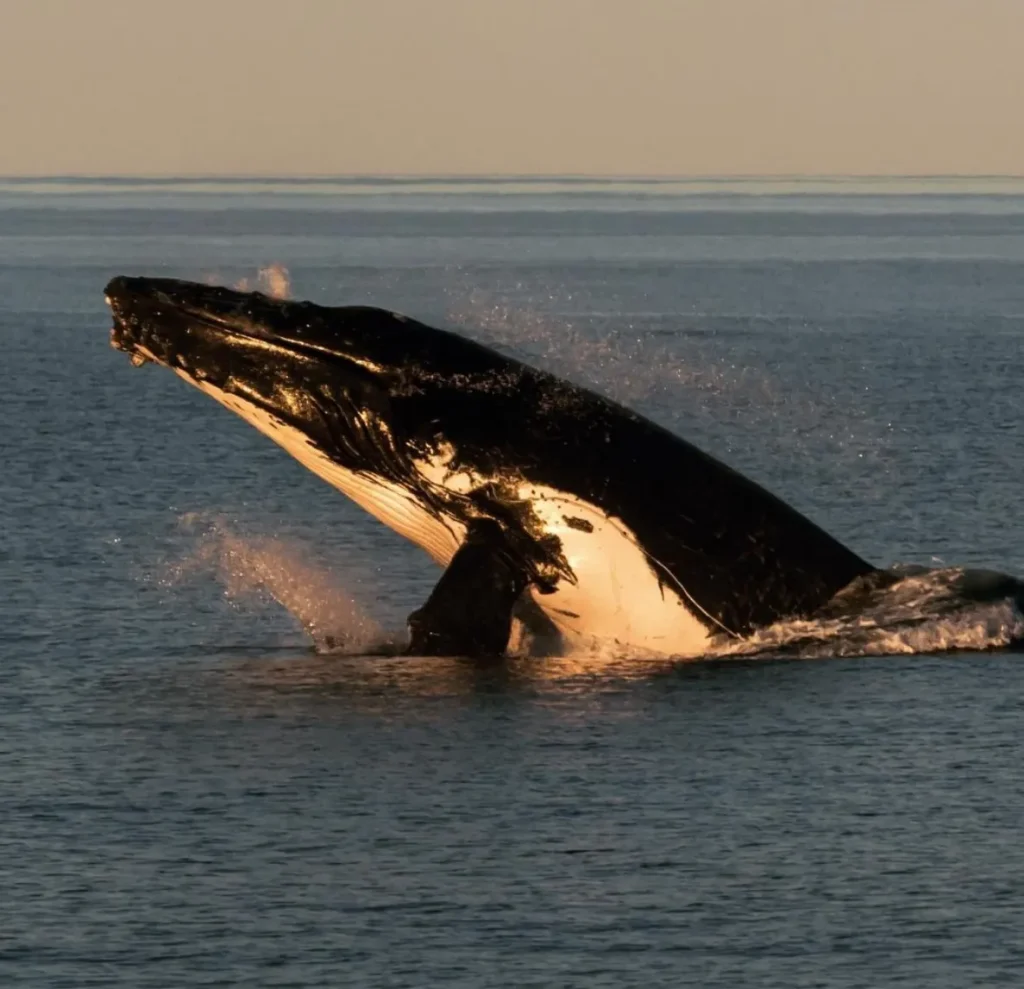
[280, 358]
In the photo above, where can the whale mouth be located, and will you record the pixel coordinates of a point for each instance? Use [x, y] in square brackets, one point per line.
[120, 331]
[124, 339]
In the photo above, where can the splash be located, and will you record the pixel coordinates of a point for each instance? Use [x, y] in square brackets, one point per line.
[628, 368]
[273, 280]
[676, 378]
[902, 611]
[252, 567]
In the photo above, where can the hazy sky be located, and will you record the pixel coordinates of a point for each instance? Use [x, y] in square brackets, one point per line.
[514, 86]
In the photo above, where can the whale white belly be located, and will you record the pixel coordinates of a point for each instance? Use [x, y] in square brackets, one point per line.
[617, 599]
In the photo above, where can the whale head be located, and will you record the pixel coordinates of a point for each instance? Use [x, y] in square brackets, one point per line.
[398, 415]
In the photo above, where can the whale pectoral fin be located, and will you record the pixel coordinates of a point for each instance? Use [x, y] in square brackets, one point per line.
[469, 612]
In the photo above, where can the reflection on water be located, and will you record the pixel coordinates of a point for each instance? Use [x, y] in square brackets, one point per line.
[440, 676]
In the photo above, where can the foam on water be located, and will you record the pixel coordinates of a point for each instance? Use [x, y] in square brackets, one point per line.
[921, 611]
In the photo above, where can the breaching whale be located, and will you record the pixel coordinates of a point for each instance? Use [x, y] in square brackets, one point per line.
[542, 500]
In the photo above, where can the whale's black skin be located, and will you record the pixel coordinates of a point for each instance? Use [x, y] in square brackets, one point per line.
[376, 391]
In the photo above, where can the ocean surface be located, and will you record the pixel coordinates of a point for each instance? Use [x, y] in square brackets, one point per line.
[193, 793]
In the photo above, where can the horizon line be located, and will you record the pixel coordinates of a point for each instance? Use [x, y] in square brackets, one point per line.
[508, 176]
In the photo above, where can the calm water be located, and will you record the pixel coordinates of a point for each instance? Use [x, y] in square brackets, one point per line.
[191, 796]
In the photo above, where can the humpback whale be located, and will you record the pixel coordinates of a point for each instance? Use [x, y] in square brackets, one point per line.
[544, 502]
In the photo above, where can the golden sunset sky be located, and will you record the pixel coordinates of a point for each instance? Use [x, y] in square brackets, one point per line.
[613, 87]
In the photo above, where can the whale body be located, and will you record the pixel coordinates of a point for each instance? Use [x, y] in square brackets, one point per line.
[546, 503]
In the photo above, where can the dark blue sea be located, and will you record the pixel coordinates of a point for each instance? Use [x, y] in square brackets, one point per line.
[193, 792]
